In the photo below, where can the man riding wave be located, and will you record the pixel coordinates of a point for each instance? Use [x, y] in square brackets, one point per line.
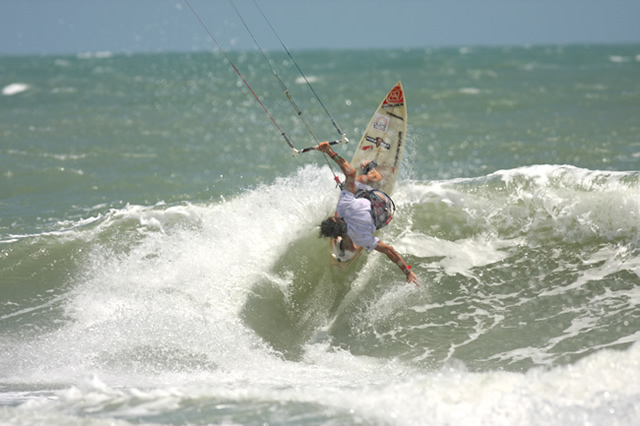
[355, 221]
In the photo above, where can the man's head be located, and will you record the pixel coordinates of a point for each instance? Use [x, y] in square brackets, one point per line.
[333, 227]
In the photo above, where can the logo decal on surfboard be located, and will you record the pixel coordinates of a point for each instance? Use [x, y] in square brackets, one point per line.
[395, 97]
[378, 142]
[380, 123]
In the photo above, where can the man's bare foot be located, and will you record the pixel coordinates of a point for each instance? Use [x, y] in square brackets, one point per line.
[371, 174]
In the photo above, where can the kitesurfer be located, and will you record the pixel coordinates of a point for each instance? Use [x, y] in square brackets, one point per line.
[355, 222]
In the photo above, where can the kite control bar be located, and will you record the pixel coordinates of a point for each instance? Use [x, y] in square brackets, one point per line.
[312, 148]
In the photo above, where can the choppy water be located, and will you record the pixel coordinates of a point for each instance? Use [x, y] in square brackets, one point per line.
[159, 259]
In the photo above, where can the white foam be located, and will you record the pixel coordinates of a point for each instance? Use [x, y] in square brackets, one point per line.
[15, 88]
[310, 79]
[459, 257]
[95, 55]
[556, 396]
[470, 91]
[567, 201]
[599, 389]
[619, 59]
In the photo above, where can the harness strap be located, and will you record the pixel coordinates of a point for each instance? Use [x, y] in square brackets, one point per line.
[381, 210]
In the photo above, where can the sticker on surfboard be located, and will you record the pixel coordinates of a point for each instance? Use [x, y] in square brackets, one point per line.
[380, 123]
[395, 96]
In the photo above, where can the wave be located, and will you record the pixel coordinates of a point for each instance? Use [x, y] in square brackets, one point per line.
[527, 277]
[263, 245]
[229, 250]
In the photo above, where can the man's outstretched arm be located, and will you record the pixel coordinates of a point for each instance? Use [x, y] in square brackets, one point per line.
[393, 255]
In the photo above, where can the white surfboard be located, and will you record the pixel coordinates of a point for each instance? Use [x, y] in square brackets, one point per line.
[383, 142]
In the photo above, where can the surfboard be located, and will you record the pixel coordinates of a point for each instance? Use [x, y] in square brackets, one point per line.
[383, 142]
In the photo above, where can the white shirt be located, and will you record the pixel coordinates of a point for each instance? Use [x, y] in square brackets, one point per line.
[356, 212]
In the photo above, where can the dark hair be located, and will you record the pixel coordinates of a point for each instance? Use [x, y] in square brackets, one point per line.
[332, 227]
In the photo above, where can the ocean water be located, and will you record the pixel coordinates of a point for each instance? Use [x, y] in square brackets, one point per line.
[159, 258]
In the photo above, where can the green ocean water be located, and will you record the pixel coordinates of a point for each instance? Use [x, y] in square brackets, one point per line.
[159, 259]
